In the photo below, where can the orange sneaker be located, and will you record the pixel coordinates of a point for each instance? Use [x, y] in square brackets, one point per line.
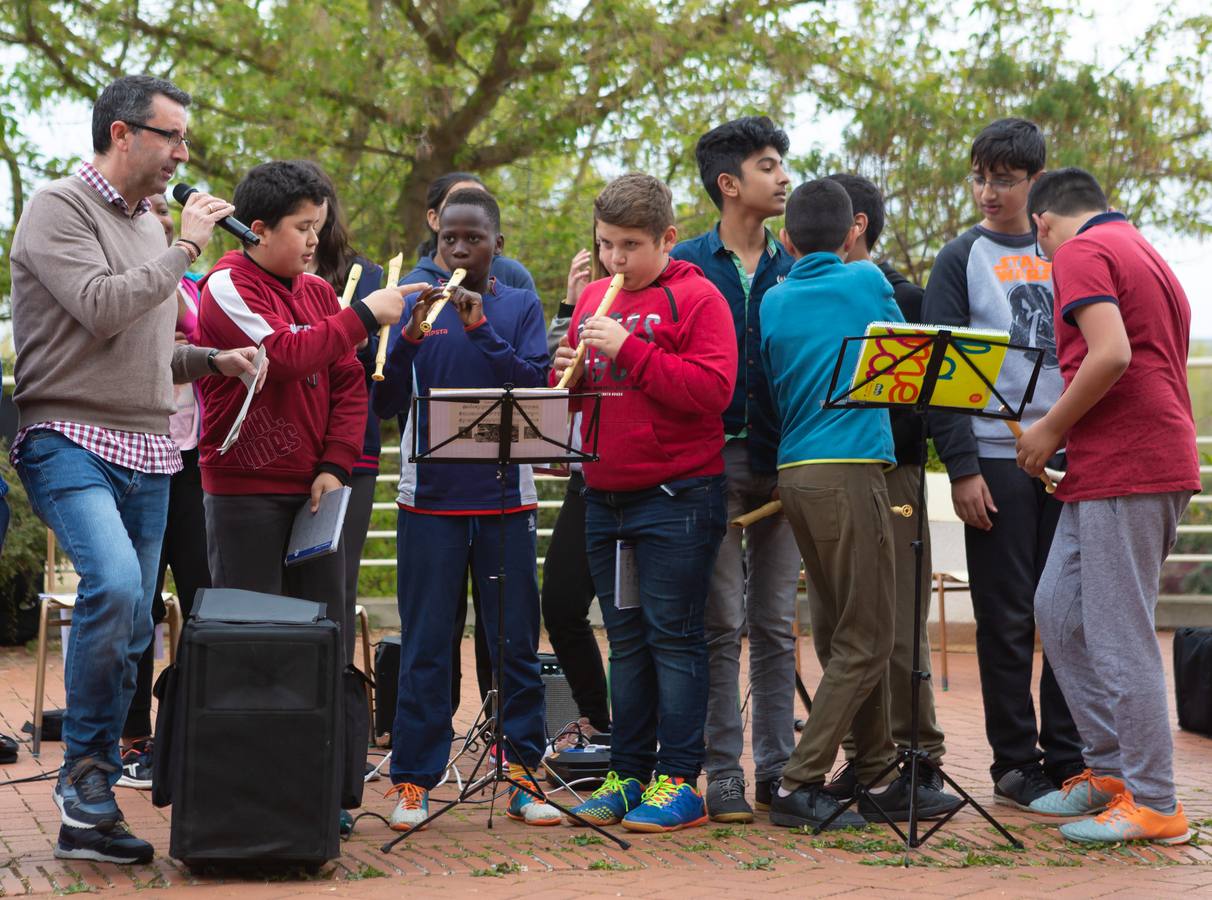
[1125, 821]
[411, 809]
[1081, 795]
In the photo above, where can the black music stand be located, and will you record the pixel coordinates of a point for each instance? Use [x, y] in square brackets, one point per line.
[937, 346]
[501, 422]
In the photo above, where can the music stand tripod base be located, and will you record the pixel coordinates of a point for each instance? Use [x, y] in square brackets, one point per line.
[490, 732]
[913, 757]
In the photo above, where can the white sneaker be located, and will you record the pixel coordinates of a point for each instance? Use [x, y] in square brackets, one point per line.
[411, 809]
[524, 807]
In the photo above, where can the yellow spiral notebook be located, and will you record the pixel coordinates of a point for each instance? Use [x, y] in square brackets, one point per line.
[959, 386]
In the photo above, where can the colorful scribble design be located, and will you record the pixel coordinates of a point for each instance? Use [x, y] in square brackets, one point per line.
[894, 362]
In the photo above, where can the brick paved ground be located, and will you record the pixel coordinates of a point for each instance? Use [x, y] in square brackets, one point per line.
[460, 855]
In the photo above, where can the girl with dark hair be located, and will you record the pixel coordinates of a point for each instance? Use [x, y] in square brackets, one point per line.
[504, 269]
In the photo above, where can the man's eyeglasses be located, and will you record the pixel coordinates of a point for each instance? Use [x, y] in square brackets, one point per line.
[174, 138]
[999, 185]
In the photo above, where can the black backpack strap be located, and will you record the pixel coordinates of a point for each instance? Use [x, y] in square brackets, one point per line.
[673, 306]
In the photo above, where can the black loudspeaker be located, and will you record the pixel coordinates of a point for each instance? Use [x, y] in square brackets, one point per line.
[387, 687]
[561, 708]
[1193, 679]
[256, 725]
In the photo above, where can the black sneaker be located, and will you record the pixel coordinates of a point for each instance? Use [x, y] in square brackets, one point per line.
[1019, 787]
[1058, 776]
[894, 801]
[808, 806]
[930, 777]
[117, 845]
[763, 790]
[137, 766]
[84, 797]
[844, 783]
[726, 801]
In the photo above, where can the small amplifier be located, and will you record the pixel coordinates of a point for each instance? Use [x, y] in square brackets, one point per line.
[561, 708]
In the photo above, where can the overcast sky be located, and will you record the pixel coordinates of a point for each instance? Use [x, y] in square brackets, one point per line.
[1114, 24]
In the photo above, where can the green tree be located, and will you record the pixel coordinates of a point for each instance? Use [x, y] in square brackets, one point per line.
[548, 99]
[918, 94]
[388, 94]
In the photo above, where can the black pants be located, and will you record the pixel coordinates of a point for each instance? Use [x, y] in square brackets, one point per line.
[184, 550]
[567, 593]
[353, 539]
[1004, 566]
[247, 536]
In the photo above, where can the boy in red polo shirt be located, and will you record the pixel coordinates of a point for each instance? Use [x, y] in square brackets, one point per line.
[1122, 329]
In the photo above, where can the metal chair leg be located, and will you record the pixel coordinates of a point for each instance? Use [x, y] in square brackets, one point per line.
[942, 624]
[40, 675]
[367, 665]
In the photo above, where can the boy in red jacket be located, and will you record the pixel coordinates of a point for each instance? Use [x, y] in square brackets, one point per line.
[304, 431]
[665, 360]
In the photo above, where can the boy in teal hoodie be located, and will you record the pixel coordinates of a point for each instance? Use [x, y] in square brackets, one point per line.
[831, 481]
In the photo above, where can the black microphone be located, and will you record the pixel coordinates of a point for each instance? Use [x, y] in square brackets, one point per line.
[181, 192]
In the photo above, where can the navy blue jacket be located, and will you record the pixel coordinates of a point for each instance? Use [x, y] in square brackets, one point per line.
[752, 407]
[508, 346]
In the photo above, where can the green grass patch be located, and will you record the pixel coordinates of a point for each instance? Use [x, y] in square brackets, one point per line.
[497, 870]
[699, 847]
[366, 872]
[978, 858]
[585, 840]
[859, 845]
[606, 865]
[758, 864]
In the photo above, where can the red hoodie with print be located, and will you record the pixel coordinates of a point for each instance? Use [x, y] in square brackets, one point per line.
[666, 391]
[311, 415]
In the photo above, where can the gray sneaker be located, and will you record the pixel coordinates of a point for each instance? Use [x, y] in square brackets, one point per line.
[726, 801]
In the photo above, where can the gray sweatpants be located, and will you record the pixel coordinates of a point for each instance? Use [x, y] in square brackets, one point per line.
[1095, 608]
[752, 586]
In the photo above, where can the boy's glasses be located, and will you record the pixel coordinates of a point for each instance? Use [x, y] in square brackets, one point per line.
[1039, 252]
[999, 185]
[174, 138]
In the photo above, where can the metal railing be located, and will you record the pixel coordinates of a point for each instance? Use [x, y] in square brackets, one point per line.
[1195, 362]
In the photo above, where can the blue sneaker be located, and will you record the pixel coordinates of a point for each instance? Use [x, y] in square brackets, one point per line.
[117, 845]
[84, 797]
[524, 806]
[669, 804]
[609, 803]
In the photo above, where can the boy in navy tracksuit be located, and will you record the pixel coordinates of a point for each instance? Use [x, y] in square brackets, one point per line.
[488, 335]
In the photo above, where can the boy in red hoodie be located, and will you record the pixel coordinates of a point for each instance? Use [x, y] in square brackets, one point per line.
[304, 431]
[665, 359]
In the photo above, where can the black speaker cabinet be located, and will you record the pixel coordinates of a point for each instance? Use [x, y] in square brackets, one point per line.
[255, 771]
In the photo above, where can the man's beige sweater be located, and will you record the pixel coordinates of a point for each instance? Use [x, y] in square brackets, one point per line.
[94, 309]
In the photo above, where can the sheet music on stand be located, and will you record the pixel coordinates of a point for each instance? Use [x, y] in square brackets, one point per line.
[463, 424]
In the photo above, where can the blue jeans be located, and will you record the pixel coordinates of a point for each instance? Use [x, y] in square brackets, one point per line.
[434, 552]
[110, 522]
[658, 652]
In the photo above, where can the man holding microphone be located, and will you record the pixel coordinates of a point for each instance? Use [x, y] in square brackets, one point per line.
[93, 303]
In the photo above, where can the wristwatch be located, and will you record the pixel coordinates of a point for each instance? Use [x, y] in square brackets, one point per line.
[210, 361]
